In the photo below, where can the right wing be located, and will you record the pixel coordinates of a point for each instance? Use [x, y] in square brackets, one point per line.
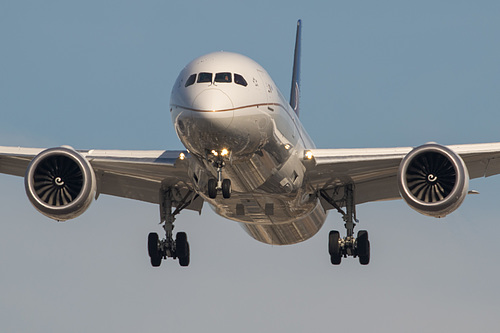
[132, 174]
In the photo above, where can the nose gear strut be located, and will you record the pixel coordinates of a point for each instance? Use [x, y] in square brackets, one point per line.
[219, 184]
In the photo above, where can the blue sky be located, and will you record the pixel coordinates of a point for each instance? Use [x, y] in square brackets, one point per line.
[98, 74]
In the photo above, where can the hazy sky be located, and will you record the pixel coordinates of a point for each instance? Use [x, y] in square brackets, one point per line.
[98, 74]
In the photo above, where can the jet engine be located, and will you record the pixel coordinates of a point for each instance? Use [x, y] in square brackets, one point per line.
[433, 180]
[60, 183]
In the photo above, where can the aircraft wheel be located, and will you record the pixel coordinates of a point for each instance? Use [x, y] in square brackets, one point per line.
[212, 188]
[156, 262]
[363, 247]
[182, 249]
[226, 188]
[153, 250]
[334, 247]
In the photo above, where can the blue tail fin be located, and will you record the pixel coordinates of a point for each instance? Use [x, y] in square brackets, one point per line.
[295, 90]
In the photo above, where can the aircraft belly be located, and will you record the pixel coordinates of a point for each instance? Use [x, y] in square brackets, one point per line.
[274, 219]
[290, 232]
[277, 211]
[263, 208]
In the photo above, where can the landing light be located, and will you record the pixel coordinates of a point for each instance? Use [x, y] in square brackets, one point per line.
[287, 146]
[309, 155]
[182, 156]
[224, 152]
[214, 153]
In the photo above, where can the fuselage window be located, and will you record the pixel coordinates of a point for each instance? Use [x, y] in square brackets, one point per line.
[204, 77]
[223, 78]
[238, 79]
[190, 80]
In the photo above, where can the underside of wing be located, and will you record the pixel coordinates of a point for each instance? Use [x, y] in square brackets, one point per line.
[374, 171]
[15, 160]
[137, 175]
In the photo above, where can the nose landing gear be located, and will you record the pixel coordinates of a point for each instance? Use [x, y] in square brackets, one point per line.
[219, 184]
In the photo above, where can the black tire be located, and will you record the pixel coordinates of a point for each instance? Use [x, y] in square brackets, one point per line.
[212, 188]
[334, 247]
[226, 188]
[363, 247]
[184, 261]
[153, 245]
[182, 249]
[156, 262]
[153, 251]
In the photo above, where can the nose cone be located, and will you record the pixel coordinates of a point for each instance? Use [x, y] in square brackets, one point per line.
[212, 100]
[213, 109]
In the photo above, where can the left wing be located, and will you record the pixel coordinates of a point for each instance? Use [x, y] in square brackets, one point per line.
[137, 175]
[374, 171]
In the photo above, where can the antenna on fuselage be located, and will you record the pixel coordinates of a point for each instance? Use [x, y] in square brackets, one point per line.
[295, 90]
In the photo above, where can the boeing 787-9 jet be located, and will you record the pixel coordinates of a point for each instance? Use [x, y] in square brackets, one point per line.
[248, 156]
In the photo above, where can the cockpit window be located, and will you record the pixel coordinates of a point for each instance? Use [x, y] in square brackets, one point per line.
[190, 80]
[223, 77]
[238, 79]
[204, 77]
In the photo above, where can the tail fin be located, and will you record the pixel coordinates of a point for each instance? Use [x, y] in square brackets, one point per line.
[295, 90]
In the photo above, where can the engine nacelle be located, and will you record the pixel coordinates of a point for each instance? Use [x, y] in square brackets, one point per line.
[60, 183]
[433, 180]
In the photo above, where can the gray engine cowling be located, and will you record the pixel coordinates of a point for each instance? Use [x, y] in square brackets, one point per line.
[60, 183]
[433, 180]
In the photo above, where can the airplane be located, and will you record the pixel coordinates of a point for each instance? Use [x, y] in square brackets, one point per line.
[249, 157]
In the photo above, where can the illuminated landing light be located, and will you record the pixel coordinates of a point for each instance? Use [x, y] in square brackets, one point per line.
[214, 153]
[287, 146]
[182, 156]
[308, 155]
[224, 152]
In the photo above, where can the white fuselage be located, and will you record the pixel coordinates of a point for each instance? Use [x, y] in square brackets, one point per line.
[226, 101]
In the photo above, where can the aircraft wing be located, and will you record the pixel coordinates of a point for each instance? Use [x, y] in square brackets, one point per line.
[131, 174]
[374, 171]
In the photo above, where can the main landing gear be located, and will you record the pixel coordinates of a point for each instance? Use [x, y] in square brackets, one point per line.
[219, 184]
[159, 249]
[348, 246]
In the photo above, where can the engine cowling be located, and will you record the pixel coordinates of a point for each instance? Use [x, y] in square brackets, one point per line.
[60, 183]
[433, 180]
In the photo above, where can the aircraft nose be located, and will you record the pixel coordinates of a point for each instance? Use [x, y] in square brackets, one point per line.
[215, 107]
[212, 100]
